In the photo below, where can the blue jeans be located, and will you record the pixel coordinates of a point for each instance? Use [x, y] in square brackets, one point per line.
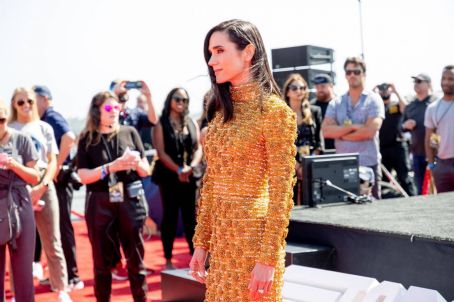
[419, 167]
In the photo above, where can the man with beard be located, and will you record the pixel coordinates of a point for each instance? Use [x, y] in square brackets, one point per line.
[393, 147]
[439, 138]
[324, 93]
[355, 119]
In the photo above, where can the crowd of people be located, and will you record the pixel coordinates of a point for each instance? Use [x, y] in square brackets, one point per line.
[129, 159]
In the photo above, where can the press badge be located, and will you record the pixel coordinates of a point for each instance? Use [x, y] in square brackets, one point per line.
[116, 192]
[347, 122]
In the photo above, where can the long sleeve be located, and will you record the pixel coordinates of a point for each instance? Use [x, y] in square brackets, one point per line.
[279, 131]
[203, 229]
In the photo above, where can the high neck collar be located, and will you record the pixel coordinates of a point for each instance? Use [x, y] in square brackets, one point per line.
[245, 92]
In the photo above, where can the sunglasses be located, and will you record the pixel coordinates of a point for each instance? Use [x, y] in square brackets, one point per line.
[2, 120]
[180, 99]
[109, 108]
[418, 81]
[294, 87]
[353, 71]
[22, 102]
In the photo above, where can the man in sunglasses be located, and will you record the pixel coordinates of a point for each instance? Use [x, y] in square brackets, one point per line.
[413, 121]
[65, 139]
[324, 94]
[354, 120]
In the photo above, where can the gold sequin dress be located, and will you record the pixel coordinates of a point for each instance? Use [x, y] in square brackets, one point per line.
[246, 196]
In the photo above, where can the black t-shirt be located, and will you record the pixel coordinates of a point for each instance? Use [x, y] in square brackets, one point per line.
[97, 155]
[416, 111]
[391, 129]
[329, 142]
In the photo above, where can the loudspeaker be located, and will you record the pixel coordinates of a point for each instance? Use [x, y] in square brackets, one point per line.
[307, 74]
[301, 56]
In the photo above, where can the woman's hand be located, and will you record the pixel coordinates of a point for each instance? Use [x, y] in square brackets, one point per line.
[261, 280]
[185, 173]
[197, 265]
[125, 163]
[37, 192]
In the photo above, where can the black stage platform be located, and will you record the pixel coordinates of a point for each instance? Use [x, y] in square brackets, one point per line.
[409, 241]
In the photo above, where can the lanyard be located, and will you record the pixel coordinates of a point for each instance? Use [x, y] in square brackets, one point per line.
[444, 113]
[112, 176]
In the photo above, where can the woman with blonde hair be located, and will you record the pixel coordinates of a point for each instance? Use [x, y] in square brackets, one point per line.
[25, 118]
[309, 119]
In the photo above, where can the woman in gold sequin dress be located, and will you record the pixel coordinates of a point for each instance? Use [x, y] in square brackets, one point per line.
[247, 189]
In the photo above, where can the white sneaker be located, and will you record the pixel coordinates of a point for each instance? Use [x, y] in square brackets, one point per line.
[77, 285]
[38, 272]
[64, 297]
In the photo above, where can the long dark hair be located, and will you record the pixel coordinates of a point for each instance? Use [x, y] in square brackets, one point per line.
[305, 105]
[94, 118]
[167, 103]
[242, 33]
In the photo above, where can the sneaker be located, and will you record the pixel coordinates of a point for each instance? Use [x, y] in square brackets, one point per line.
[169, 265]
[76, 284]
[119, 274]
[38, 271]
[149, 271]
[64, 297]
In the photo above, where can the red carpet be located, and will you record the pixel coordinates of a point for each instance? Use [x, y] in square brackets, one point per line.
[154, 259]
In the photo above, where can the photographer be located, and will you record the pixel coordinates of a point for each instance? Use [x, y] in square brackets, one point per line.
[63, 182]
[393, 147]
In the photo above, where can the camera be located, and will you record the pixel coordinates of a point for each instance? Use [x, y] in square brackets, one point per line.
[133, 85]
[69, 175]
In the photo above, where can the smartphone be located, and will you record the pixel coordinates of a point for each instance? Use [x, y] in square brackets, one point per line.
[133, 85]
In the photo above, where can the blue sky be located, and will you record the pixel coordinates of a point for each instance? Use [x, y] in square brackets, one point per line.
[77, 47]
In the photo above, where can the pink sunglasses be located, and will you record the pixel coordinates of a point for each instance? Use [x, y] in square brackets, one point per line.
[109, 108]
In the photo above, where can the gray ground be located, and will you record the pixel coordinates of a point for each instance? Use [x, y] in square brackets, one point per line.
[429, 216]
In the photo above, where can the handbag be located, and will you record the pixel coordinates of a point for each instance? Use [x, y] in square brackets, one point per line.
[10, 226]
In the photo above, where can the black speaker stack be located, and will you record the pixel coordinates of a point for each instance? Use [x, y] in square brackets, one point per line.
[301, 59]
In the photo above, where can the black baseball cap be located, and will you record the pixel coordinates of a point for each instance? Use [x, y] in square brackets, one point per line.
[42, 90]
[322, 78]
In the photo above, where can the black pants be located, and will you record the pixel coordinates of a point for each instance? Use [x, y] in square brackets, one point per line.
[106, 222]
[68, 242]
[176, 196]
[443, 174]
[397, 157]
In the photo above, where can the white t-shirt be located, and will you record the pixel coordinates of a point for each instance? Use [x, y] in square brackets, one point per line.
[42, 136]
[440, 116]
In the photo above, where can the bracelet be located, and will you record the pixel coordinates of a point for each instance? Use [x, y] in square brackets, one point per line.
[103, 171]
[180, 169]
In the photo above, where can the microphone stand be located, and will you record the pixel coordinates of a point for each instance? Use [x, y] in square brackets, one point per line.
[351, 196]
